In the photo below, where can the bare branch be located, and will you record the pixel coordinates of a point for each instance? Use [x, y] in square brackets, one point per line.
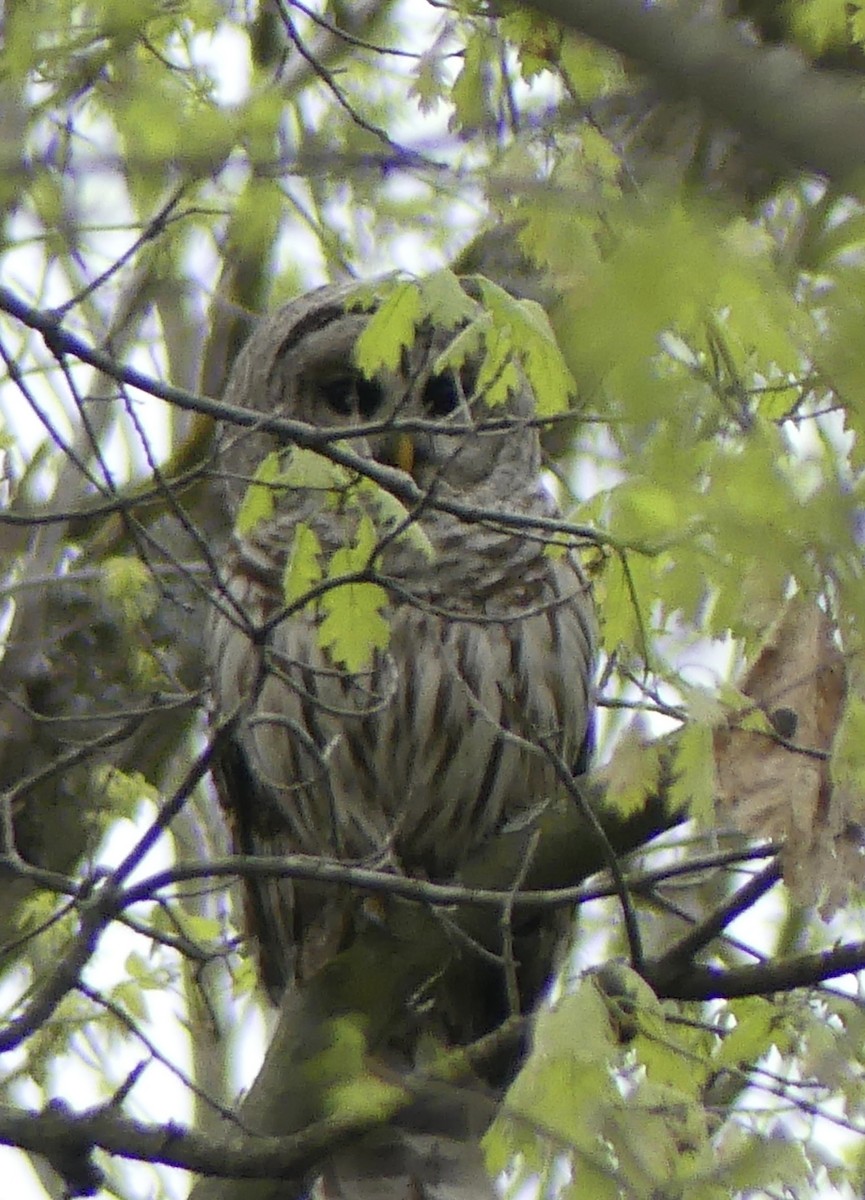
[759, 979]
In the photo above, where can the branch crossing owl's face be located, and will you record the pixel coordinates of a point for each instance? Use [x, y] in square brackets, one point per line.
[437, 418]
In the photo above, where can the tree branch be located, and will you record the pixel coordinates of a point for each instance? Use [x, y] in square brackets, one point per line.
[813, 119]
[424, 891]
[65, 1137]
[717, 921]
[758, 979]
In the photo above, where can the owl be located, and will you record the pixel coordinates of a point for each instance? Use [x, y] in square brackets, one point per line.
[442, 739]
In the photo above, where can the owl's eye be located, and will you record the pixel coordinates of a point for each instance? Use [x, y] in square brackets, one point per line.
[369, 397]
[337, 396]
[440, 395]
[352, 395]
[443, 393]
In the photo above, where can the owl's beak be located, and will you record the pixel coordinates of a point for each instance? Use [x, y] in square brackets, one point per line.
[412, 453]
[401, 452]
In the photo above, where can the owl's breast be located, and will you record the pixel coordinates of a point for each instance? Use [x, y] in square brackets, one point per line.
[443, 739]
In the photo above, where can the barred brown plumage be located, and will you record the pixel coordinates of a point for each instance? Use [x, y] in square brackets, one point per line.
[420, 759]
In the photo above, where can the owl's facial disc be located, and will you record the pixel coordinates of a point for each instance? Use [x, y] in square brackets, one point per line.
[444, 407]
[434, 400]
[342, 397]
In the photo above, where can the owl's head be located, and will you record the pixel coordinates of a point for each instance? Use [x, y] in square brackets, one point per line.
[436, 424]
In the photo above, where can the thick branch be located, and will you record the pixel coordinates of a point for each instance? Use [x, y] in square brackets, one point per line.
[66, 1138]
[813, 119]
[696, 982]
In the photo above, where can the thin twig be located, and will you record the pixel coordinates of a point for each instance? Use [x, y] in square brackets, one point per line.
[629, 915]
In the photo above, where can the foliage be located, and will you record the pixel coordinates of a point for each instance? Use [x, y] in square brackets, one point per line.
[691, 327]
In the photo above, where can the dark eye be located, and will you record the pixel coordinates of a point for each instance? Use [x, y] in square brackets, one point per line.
[369, 397]
[440, 395]
[352, 395]
[337, 395]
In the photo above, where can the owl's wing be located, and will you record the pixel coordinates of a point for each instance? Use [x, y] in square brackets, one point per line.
[587, 750]
[268, 900]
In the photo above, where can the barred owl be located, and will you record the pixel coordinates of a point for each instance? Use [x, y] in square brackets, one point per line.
[415, 761]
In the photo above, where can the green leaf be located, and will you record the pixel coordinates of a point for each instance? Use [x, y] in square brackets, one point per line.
[498, 376]
[128, 586]
[537, 40]
[754, 1033]
[566, 1085]
[201, 928]
[463, 346]
[471, 93]
[122, 791]
[390, 513]
[259, 118]
[633, 774]
[629, 999]
[340, 1072]
[590, 69]
[353, 627]
[578, 1026]
[674, 1056]
[532, 339]
[146, 672]
[820, 24]
[694, 784]
[848, 749]
[621, 592]
[654, 1136]
[649, 512]
[429, 84]
[257, 216]
[309, 469]
[444, 301]
[389, 330]
[365, 1098]
[767, 1163]
[545, 227]
[146, 974]
[259, 503]
[244, 977]
[302, 569]
[344, 1051]
[129, 996]
[857, 22]
[594, 1181]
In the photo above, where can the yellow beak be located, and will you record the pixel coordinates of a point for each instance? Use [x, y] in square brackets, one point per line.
[403, 452]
